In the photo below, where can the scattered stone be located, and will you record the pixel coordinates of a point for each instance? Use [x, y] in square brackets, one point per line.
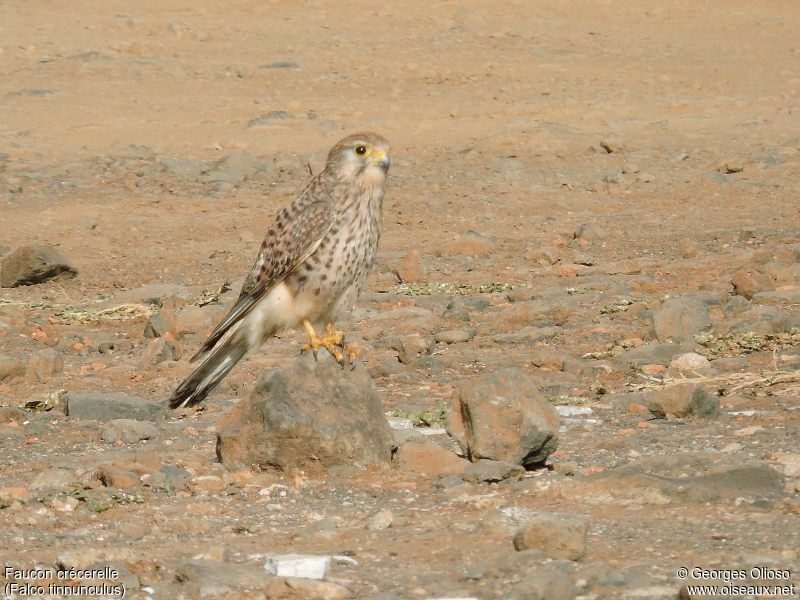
[680, 318]
[790, 464]
[492, 471]
[30, 265]
[43, 365]
[558, 535]
[298, 588]
[11, 367]
[527, 335]
[215, 579]
[55, 479]
[611, 146]
[683, 400]
[115, 477]
[547, 582]
[730, 166]
[410, 348]
[428, 458]
[310, 411]
[691, 363]
[9, 414]
[207, 484]
[129, 431]
[113, 405]
[454, 336]
[381, 521]
[748, 285]
[159, 350]
[266, 119]
[88, 555]
[647, 354]
[502, 416]
[470, 243]
[409, 269]
[298, 565]
[281, 64]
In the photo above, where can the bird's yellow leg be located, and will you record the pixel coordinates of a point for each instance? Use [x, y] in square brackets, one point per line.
[331, 341]
[352, 352]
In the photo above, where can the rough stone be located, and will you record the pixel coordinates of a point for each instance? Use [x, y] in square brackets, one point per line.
[30, 265]
[454, 336]
[159, 350]
[558, 535]
[492, 471]
[311, 410]
[219, 579]
[45, 364]
[682, 400]
[410, 348]
[11, 367]
[680, 318]
[690, 363]
[296, 588]
[115, 477]
[430, 459]
[129, 431]
[113, 405]
[502, 416]
[749, 284]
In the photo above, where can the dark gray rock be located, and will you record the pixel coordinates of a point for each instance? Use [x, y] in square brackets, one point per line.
[310, 411]
[502, 416]
[492, 471]
[113, 405]
[129, 431]
[30, 265]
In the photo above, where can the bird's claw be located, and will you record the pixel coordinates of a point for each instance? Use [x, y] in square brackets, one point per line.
[332, 341]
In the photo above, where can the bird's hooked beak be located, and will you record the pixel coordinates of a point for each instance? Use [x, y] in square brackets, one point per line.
[380, 158]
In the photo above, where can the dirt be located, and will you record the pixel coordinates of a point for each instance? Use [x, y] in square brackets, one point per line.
[558, 170]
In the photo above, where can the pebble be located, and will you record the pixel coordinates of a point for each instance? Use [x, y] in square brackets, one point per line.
[680, 318]
[454, 336]
[558, 535]
[381, 521]
[690, 363]
[129, 431]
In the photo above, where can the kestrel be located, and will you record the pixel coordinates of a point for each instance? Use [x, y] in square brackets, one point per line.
[313, 262]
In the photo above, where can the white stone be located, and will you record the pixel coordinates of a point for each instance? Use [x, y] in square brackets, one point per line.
[306, 566]
[565, 410]
[790, 464]
[690, 361]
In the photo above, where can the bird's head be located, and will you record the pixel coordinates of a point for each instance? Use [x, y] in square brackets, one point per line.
[362, 156]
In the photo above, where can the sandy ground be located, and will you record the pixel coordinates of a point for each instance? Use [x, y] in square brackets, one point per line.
[614, 152]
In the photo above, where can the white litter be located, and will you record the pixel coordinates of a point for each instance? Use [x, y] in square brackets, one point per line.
[572, 411]
[306, 566]
[399, 423]
[430, 430]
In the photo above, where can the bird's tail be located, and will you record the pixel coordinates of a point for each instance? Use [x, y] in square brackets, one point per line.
[214, 366]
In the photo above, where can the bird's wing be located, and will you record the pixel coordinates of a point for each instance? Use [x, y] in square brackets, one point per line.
[295, 235]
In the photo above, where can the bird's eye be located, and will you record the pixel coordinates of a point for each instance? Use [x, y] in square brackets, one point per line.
[361, 150]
